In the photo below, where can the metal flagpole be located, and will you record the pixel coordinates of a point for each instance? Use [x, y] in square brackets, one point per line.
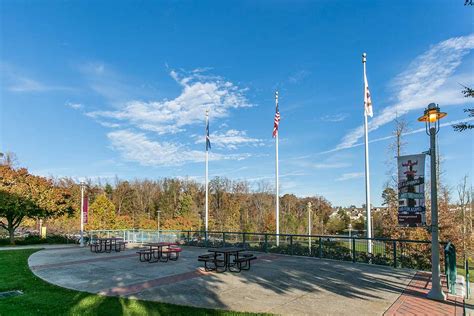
[82, 215]
[277, 195]
[207, 171]
[367, 171]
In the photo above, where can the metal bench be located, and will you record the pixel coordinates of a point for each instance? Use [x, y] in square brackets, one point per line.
[210, 259]
[145, 255]
[243, 263]
[120, 245]
[175, 251]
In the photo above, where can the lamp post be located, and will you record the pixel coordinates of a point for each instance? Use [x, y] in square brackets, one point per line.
[83, 186]
[350, 236]
[158, 212]
[309, 227]
[431, 117]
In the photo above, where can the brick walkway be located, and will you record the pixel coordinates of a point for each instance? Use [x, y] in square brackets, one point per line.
[413, 300]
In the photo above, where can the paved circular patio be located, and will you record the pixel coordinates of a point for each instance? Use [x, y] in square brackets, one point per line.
[275, 284]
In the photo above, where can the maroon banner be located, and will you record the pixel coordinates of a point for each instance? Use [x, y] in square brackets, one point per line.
[85, 209]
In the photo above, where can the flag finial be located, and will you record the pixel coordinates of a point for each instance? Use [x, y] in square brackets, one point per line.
[364, 57]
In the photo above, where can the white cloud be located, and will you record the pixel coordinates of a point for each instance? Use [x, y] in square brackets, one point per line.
[376, 140]
[335, 118]
[108, 124]
[230, 139]
[75, 106]
[22, 84]
[423, 82]
[139, 148]
[350, 176]
[198, 93]
[298, 76]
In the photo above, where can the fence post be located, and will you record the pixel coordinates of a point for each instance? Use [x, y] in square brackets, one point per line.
[243, 241]
[468, 284]
[266, 243]
[394, 253]
[189, 233]
[320, 247]
[291, 244]
[353, 249]
[223, 239]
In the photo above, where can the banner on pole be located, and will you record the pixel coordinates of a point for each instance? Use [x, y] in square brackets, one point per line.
[411, 190]
[85, 209]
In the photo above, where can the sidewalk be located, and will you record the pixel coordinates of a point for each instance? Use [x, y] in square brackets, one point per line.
[413, 300]
[39, 246]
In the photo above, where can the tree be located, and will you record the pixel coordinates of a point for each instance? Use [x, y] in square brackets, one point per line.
[25, 195]
[461, 127]
[8, 158]
[102, 214]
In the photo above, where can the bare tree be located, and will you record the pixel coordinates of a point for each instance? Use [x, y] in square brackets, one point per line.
[9, 159]
[464, 204]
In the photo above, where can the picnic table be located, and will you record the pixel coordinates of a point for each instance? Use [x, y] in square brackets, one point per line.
[106, 244]
[226, 253]
[156, 251]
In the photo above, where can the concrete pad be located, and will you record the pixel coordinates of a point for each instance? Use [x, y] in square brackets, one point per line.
[275, 284]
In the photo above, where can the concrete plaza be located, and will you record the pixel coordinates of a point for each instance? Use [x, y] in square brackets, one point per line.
[275, 284]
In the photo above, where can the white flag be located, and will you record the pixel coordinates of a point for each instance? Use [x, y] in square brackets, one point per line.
[367, 99]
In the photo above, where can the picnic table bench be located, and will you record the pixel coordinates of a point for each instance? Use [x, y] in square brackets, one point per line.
[220, 259]
[99, 245]
[156, 251]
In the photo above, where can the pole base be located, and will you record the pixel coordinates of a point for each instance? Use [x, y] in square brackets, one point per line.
[436, 294]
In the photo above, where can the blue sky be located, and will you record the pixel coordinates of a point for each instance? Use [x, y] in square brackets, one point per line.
[105, 89]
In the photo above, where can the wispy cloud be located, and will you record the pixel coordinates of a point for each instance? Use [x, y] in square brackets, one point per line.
[21, 84]
[298, 76]
[199, 92]
[139, 148]
[335, 117]
[424, 81]
[383, 138]
[230, 139]
[114, 87]
[75, 106]
[350, 176]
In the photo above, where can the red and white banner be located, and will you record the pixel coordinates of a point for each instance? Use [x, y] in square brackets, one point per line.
[85, 209]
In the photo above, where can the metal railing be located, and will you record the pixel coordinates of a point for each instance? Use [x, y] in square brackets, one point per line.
[398, 253]
[450, 267]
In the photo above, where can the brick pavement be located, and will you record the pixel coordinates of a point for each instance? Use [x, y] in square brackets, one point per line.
[413, 300]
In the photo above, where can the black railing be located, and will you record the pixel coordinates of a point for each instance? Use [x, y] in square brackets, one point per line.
[398, 253]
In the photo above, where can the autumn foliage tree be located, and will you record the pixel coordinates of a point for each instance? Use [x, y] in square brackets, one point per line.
[23, 195]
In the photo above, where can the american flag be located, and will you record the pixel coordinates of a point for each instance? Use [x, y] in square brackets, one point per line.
[208, 140]
[276, 121]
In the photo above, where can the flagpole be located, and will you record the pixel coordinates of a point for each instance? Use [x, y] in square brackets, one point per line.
[207, 173]
[277, 195]
[367, 171]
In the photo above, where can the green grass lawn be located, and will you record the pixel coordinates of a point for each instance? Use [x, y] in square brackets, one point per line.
[42, 298]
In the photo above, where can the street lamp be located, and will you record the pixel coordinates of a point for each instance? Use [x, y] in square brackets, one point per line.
[309, 227]
[431, 117]
[83, 186]
[158, 212]
[350, 236]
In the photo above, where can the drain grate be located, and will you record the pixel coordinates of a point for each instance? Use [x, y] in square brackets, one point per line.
[10, 294]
